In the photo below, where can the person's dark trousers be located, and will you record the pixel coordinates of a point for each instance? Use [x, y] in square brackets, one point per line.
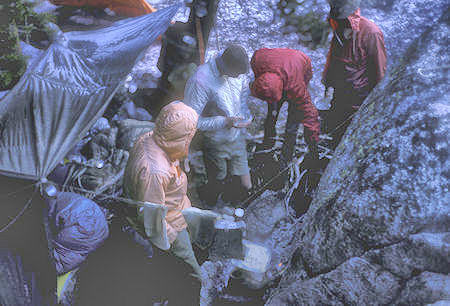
[273, 110]
[292, 124]
[339, 118]
[210, 192]
[293, 121]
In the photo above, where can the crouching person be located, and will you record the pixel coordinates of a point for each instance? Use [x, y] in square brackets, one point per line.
[153, 174]
[282, 75]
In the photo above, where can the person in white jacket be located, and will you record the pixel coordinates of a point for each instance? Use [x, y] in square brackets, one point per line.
[218, 91]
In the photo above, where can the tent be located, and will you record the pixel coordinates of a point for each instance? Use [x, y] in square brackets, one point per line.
[57, 100]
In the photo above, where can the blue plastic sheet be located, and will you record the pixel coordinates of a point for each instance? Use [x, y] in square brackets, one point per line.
[64, 91]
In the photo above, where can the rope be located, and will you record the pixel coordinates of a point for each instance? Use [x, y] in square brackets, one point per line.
[18, 190]
[113, 197]
[21, 212]
[264, 187]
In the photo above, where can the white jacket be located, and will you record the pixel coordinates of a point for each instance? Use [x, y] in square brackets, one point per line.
[227, 97]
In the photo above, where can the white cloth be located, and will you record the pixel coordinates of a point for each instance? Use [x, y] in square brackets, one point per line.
[154, 219]
[229, 98]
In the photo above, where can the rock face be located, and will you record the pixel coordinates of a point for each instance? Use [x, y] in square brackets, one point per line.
[378, 231]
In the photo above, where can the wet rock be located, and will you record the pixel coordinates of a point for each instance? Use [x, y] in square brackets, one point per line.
[426, 288]
[227, 244]
[263, 216]
[102, 145]
[102, 173]
[355, 282]
[420, 252]
[389, 177]
[215, 277]
[129, 111]
[44, 7]
[102, 124]
[130, 130]
[384, 196]
[269, 224]
[440, 303]
[399, 33]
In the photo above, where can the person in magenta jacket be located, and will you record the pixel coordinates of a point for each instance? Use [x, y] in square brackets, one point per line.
[283, 75]
[356, 63]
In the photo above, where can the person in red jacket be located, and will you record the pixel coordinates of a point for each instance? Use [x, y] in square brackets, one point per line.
[283, 75]
[355, 64]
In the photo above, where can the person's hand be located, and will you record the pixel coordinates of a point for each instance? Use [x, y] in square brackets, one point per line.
[231, 121]
[242, 124]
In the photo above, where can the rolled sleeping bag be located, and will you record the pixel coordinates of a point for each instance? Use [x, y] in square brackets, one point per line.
[78, 227]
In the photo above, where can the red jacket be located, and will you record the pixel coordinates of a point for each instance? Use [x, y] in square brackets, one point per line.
[358, 65]
[286, 73]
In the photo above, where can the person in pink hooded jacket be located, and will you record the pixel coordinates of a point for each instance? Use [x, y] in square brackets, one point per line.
[153, 174]
[356, 63]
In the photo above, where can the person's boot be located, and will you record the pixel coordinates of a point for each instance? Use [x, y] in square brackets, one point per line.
[287, 152]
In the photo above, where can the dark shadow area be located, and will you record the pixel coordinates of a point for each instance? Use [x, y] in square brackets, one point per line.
[120, 273]
[25, 240]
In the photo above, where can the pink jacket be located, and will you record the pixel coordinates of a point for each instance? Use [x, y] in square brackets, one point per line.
[360, 63]
[153, 173]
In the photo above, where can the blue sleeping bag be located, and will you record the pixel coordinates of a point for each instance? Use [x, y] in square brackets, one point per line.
[78, 226]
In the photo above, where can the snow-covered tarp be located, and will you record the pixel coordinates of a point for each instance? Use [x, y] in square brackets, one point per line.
[65, 91]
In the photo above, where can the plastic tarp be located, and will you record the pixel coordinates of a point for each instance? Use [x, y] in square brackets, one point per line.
[78, 226]
[121, 7]
[64, 92]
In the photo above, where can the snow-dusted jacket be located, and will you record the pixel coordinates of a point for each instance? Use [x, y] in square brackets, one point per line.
[153, 173]
[356, 66]
[214, 98]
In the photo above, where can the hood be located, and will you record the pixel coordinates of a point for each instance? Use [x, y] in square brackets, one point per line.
[341, 9]
[175, 126]
[268, 87]
[354, 20]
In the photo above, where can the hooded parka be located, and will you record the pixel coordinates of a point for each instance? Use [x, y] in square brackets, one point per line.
[286, 71]
[153, 173]
[355, 66]
[216, 97]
